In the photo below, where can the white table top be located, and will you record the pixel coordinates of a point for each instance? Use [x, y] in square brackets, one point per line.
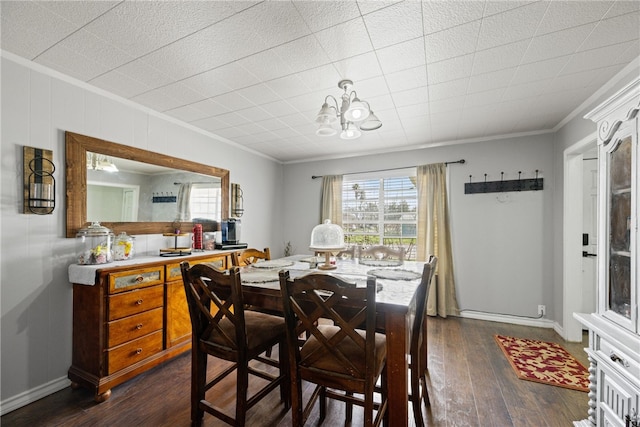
[393, 291]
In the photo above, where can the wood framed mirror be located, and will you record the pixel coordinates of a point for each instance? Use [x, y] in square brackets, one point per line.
[145, 166]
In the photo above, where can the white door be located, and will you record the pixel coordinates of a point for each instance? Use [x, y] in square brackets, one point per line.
[590, 237]
[129, 204]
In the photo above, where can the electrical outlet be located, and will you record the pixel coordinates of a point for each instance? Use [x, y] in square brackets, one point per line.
[542, 310]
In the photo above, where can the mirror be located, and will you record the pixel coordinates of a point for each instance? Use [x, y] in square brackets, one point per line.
[143, 195]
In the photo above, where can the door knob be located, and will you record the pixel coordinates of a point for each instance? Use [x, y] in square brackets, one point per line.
[587, 254]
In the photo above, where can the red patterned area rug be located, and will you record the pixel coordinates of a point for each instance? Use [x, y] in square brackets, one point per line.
[544, 362]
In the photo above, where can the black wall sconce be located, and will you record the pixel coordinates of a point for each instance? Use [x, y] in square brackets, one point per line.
[39, 183]
[237, 202]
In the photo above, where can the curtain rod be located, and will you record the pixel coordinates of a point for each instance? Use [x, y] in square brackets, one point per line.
[203, 182]
[461, 161]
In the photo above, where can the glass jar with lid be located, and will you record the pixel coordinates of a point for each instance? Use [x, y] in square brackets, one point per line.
[123, 247]
[94, 244]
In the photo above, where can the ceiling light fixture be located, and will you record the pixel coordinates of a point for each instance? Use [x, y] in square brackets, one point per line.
[100, 163]
[355, 115]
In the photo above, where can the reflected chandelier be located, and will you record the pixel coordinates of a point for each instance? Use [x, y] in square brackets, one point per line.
[99, 162]
[355, 115]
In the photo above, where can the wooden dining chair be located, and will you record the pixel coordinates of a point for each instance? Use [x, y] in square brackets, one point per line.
[249, 256]
[379, 252]
[338, 357]
[349, 253]
[418, 344]
[223, 329]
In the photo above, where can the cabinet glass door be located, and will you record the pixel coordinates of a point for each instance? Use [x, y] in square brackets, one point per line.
[620, 213]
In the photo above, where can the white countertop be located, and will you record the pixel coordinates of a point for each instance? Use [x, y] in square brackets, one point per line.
[86, 274]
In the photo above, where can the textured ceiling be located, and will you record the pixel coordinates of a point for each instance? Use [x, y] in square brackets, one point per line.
[256, 73]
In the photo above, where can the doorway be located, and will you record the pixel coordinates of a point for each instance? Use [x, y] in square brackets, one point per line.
[578, 286]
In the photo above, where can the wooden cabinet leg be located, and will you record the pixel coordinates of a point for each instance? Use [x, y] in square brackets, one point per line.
[75, 385]
[99, 398]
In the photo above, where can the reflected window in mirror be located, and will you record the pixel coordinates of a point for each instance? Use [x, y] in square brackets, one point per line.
[205, 199]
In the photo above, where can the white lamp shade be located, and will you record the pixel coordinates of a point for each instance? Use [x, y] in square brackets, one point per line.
[350, 132]
[372, 123]
[326, 114]
[326, 130]
[357, 111]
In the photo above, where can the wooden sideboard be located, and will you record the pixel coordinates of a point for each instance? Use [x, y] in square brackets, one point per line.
[129, 317]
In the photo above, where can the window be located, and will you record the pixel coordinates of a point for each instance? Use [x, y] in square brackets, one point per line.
[204, 200]
[381, 210]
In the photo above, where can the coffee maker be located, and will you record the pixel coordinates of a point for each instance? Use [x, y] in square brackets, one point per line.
[231, 235]
[231, 230]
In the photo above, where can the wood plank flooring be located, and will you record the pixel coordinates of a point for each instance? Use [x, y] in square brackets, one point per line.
[471, 384]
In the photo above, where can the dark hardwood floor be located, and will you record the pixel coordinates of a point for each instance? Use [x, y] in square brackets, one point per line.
[471, 384]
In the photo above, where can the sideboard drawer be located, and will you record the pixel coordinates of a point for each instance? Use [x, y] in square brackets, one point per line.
[134, 351]
[618, 359]
[134, 279]
[174, 272]
[136, 301]
[132, 327]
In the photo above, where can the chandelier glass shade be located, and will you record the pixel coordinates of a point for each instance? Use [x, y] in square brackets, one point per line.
[98, 162]
[354, 115]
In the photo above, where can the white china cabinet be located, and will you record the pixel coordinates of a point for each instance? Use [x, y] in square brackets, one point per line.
[614, 329]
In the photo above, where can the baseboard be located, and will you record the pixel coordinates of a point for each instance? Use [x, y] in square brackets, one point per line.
[30, 396]
[505, 318]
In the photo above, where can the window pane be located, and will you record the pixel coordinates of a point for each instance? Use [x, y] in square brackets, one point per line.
[380, 211]
[204, 200]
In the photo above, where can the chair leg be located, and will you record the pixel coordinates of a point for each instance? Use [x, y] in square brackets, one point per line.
[349, 409]
[323, 404]
[242, 381]
[415, 395]
[198, 382]
[425, 392]
[285, 385]
[368, 408]
[296, 401]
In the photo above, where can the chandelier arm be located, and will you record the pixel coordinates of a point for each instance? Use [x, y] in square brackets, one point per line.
[335, 101]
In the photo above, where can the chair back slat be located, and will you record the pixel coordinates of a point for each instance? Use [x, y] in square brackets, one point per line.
[216, 306]
[422, 294]
[380, 252]
[250, 256]
[317, 296]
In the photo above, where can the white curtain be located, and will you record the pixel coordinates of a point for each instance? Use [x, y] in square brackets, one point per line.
[332, 199]
[434, 237]
[184, 195]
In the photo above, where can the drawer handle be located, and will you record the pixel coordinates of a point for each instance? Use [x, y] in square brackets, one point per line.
[619, 359]
[138, 351]
[139, 279]
[139, 326]
[139, 302]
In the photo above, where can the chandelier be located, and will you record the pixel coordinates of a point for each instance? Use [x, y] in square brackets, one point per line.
[98, 162]
[355, 115]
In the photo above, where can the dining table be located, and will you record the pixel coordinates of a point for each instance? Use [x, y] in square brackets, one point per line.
[396, 282]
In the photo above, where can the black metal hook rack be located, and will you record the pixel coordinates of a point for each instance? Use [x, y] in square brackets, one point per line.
[164, 198]
[529, 184]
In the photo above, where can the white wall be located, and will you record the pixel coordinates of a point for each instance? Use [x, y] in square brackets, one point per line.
[502, 249]
[38, 106]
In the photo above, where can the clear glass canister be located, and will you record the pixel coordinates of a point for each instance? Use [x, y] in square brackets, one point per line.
[93, 244]
[123, 247]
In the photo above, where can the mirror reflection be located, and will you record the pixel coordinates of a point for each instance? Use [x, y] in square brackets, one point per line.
[128, 189]
[121, 190]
